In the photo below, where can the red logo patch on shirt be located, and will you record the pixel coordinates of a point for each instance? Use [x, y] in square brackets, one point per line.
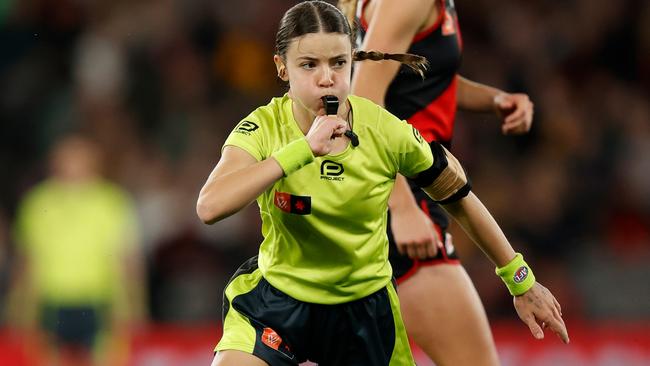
[287, 202]
[271, 338]
[283, 201]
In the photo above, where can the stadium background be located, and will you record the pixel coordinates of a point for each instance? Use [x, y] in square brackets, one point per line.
[159, 84]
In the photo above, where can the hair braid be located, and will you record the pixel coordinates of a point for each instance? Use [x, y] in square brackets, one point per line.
[416, 63]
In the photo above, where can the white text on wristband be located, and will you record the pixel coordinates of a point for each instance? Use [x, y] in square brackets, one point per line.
[517, 275]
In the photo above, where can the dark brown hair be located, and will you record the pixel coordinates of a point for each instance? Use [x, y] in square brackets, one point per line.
[310, 17]
[318, 16]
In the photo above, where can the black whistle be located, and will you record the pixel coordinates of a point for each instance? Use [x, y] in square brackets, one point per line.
[331, 104]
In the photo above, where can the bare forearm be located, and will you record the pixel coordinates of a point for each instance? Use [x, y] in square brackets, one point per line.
[224, 195]
[479, 224]
[476, 97]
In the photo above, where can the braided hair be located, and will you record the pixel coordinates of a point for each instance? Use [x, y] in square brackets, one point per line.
[319, 16]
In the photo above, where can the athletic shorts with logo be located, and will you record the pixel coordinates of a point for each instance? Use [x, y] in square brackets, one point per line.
[403, 266]
[263, 321]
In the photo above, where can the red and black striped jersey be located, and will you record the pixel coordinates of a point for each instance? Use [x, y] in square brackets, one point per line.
[429, 104]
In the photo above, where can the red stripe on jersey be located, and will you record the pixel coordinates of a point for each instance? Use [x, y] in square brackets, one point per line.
[362, 19]
[420, 35]
[436, 121]
[441, 16]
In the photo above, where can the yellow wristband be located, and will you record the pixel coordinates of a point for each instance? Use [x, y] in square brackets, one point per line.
[517, 275]
[294, 155]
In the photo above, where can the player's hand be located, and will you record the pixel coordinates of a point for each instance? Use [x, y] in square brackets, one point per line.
[322, 133]
[516, 112]
[414, 232]
[539, 309]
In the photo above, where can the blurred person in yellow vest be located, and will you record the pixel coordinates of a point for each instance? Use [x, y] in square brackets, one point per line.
[78, 288]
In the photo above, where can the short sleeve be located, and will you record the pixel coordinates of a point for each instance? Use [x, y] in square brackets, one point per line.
[248, 136]
[412, 152]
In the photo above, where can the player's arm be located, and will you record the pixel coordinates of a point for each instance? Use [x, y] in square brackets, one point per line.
[236, 181]
[446, 182]
[515, 110]
[393, 25]
[537, 305]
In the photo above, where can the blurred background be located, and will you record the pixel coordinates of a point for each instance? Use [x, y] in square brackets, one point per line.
[113, 113]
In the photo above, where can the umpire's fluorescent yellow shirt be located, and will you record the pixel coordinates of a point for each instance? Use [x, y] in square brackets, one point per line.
[74, 238]
[324, 225]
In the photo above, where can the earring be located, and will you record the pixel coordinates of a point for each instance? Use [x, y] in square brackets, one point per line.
[282, 73]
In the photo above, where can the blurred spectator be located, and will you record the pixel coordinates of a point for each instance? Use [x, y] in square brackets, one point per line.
[79, 282]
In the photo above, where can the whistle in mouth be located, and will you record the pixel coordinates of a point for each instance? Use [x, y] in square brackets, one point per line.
[331, 104]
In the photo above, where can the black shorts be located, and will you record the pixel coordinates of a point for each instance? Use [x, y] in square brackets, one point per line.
[263, 321]
[403, 266]
[72, 326]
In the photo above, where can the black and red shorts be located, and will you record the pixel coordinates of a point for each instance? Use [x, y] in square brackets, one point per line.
[403, 266]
